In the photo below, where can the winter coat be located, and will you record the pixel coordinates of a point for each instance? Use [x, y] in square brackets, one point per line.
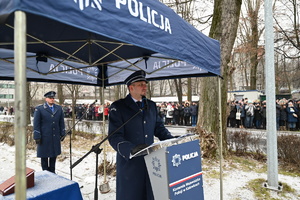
[170, 111]
[132, 176]
[49, 128]
[232, 113]
[283, 114]
[257, 113]
[291, 112]
[249, 108]
[186, 111]
[194, 110]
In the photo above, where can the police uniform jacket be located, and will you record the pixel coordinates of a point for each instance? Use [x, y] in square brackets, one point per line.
[132, 176]
[49, 127]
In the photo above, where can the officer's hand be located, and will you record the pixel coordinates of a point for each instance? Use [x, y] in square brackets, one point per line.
[38, 141]
[138, 148]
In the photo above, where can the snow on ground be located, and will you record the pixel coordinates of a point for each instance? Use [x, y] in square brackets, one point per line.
[234, 181]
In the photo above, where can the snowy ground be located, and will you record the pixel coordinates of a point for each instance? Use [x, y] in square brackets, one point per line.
[234, 181]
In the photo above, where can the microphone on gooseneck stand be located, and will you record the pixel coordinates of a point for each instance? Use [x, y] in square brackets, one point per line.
[144, 99]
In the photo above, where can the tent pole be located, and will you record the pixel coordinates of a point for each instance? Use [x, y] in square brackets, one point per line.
[20, 104]
[104, 187]
[220, 137]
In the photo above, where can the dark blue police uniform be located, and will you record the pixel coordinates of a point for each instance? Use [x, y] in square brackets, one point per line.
[49, 127]
[132, 177]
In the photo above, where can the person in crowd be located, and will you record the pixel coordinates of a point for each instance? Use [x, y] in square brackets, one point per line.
[70, 111]
[106, 110]
[249, 108]
[232, 114]
[49, 129]
[176, 114]
[243, 113]
[11, 110]
[278, 107]
[283, 117]
[94, 109]
[258, 116]
[264, 114]
[161, 109]
[239, 108]
[90, 111]
[100, 112]
[65, 110]
[298, 114]
[132, 177]
[80, 111]
[181, 113]
[194, 113]
[169, 115]
[5, 110]
[187, 114]
[292, 117]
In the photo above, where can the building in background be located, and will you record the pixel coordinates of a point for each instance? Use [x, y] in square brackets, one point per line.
[7, 93]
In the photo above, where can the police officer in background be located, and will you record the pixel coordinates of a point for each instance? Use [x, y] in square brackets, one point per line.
[133, 182]
[49, 128]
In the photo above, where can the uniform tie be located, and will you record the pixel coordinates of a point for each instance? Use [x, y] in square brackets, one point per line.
[52, 108]
[139, 104]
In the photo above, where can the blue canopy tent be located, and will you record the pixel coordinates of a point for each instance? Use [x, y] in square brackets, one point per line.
[93, 33]
[157, 67]
[52, 70]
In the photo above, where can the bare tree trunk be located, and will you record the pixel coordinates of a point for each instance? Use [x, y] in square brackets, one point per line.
[253, 7]
[178, 87]
[224, 28]
[74, 91]
[189, 93]
[60, 93]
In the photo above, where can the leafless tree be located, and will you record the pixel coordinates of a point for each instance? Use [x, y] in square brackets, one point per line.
[73, 90]
[224, 28]
[287, 43]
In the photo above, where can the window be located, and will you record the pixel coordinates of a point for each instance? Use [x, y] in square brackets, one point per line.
[6, 96]
[7, 86]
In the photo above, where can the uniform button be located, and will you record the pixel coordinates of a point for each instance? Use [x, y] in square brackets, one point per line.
[145, 122]
[146, 136]
[53, 122]
[52, 115]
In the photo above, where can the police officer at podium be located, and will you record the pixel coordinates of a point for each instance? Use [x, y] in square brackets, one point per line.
[133, 181]
[49, 128]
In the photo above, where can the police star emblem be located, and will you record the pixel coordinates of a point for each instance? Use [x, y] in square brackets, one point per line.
[176, 160]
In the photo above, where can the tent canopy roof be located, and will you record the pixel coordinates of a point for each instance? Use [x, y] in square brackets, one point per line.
[97, 33]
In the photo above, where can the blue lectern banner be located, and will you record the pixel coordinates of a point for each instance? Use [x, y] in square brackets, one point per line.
[185, 171]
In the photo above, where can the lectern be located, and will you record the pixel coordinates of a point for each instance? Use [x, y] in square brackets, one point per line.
[174, 168]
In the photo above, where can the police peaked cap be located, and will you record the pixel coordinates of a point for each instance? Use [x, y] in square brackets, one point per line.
[135, 77]
[50, 94]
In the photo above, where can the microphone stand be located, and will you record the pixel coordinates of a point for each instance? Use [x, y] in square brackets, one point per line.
[95, 149]
[69, 132]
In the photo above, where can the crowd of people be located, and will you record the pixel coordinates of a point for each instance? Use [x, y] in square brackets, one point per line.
[253, 114]
[185, 114]
[242, 113]
[87, 111]
[7, 110]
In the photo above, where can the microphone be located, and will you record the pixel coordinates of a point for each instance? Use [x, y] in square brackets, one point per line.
[144, 99]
